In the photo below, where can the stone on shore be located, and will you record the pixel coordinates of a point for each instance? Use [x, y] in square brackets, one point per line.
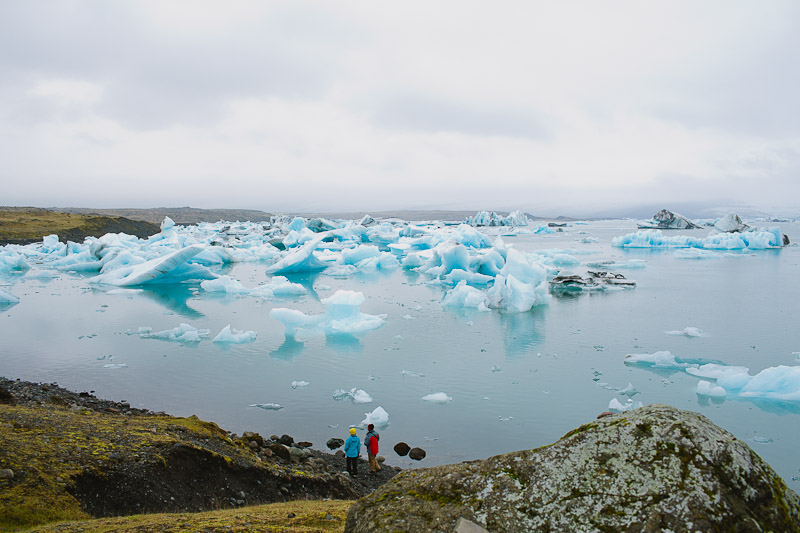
[401, 449]
[334, 443]
[651, 469]
[418, 454]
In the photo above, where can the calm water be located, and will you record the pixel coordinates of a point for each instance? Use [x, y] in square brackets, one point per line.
[517, 380]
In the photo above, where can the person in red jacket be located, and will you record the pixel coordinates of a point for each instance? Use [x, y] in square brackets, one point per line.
[371, 443]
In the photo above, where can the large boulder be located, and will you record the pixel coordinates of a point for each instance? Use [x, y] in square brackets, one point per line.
[651, 469]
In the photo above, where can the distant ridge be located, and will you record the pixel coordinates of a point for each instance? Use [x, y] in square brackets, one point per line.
[181, 215]
[414, 215]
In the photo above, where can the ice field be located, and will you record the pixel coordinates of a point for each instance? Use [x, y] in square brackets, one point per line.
[449, 337]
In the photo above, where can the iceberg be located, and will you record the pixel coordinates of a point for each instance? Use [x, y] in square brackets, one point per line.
[731, 223]
[232, 336]
[378, 416]
[437, 397]
[224, 284]
[182, 333]
[12, 262]
[342, 316]
[279, 286]
[300, 384]
[665, 219]
[751, 240]
[169, 268]
[486, 218]
[706, 388]
[689, 331]
[464, 296]
[354, 395]
[355, 255]
[301, 260]
[616, 406]
[7, 298]
[661, 359]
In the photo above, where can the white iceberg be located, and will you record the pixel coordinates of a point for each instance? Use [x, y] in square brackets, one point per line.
[300, 384]
[616, 406]
[7, 298]
[300, 260]
[342, 316]
[354, 395]
[378, 416]
[437, 397]
[464, 296]
[224, 284]
[233, 336]
[689, 331]
[181, 333]
[706, 388]
[170, 268]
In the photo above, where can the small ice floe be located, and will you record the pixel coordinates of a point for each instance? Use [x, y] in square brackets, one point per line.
[139, 331]
[595, 281]
[397, 337]
[430, 439]
[496, 369]
[378, 416]
[182, 333]
[234, 336]
[761, 439]
[630, 391]
[354, 395]
[7, 298]
[614, 265]
[617, 406]
[505, 418]
[796, 356]
[405, 373]
[125, 291]
[300, 384]
[267, 406]
[486, 398]
[437, 397]
[407, 317]
[712, 390]
[115, 365]
[689, 331]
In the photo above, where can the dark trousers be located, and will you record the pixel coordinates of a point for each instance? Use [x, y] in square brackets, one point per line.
[352, 465]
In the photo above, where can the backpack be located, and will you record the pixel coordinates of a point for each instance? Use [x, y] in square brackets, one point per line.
[373, 444]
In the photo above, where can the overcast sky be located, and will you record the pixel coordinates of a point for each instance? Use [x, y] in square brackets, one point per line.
[544, 106]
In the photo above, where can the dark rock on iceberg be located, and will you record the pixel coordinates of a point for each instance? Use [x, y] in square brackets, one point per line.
[665, 219]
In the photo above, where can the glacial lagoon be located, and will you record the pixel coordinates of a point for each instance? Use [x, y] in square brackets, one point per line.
[510, 380]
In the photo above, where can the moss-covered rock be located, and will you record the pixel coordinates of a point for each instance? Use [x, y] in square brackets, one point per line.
[653, 469]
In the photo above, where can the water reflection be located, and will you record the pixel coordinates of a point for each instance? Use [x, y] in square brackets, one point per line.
[522, 332]
[344, 344]
[172, 297]
[289, 350]
[306, 279]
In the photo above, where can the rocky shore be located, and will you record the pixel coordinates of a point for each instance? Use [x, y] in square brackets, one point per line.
[69, 455]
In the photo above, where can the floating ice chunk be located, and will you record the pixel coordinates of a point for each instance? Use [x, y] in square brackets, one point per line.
[167, 224]
[590, 240]
[279, 286]
[125, 291]
[496, 368]
[689, 331]
[157, 270]
[437, 397]
[182, 333]
[505, 418]
[301, 260]
[412, 260]
[115, 365]
[617, 406]
[662, 359]
[629, 391]
[267, 406]
[296, 238]
[614, 265]
[472, 278]
[7, 298]
[354, 395]
[462, 295]
[706, 388]
[696, 253]
[355, 255]
[37, 273]
[756, 240]
[514, 295]
[762, 440]
[378, 416]
[731, 223]
[225, 284]
[233, 336]
[342, 316]
[11, 261]
[776, 383]
[409, 373]
[300, 384]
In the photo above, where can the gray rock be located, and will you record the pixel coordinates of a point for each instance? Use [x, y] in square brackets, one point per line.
[297, 454]
[467, 526]
[280, 450]
[418, 454]
[401, 449]
[335, 443]
[286, 440]
[6, 473]
[305, 444]
[651, 469]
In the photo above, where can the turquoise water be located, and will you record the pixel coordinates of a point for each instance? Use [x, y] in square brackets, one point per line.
[516, 380]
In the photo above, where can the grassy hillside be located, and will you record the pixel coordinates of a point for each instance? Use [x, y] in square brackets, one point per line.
[23, 225]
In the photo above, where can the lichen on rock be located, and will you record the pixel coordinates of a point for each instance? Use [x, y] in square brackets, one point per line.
[651, 469]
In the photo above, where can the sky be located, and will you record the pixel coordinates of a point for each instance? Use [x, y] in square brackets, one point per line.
[551, 107]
